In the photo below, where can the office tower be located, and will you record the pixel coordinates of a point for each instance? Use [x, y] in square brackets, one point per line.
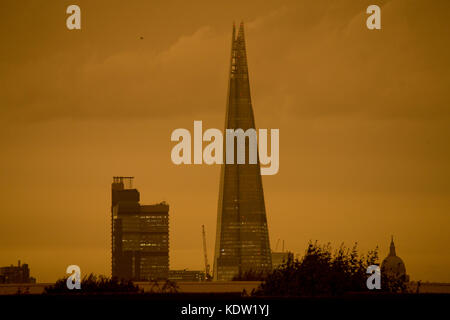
[140, 234]
[242, 238]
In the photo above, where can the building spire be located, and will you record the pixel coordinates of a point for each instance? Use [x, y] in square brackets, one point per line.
[392, 247]
[234, 32]
[240, 67]
[241, 31]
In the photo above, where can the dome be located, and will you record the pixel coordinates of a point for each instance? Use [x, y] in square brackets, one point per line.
[393, 264]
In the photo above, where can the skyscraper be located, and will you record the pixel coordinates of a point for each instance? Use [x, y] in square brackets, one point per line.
[242, 238]
[140, 235]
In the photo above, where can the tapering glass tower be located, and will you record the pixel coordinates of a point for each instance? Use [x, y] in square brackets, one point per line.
[242, 237]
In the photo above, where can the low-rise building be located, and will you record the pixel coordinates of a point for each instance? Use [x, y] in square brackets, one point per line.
[16, 274]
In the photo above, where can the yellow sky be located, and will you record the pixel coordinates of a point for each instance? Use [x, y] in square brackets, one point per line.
[364, 119]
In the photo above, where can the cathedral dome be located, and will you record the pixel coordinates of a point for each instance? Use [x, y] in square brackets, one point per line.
[392, 264]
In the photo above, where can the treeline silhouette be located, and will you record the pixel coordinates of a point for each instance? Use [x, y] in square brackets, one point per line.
[250, 275]
[322, 271]
[102, 284]
[94, 284]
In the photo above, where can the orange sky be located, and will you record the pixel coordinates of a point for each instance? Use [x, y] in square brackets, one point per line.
[364, 119]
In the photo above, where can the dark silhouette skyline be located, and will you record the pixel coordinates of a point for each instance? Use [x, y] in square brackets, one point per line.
[363, 118]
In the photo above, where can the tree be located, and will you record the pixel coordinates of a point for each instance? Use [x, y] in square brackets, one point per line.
[320, 272]
[94, 284]
[250, 275]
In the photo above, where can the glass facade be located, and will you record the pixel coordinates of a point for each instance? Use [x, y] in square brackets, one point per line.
[242, 238]
[140, 236]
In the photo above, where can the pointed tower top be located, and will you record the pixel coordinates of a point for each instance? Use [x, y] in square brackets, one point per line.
[392, 247]
[241, 30]
[234, 32]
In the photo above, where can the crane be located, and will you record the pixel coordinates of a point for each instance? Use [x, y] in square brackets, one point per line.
[207, 275]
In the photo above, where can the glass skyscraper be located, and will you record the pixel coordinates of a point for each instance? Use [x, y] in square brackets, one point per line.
[242, 238]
